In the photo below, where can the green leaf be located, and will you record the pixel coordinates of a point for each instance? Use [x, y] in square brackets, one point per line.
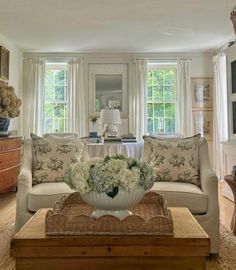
[113, 193]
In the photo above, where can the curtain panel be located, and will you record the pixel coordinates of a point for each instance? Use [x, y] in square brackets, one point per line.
[138, 109]
[220, 119]
[77, 109]
[33, 98]
[184, 121]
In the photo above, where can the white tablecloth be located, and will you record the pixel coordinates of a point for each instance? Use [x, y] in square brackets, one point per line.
[127, 149]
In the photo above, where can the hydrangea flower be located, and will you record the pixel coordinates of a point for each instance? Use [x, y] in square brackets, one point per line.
[103, 175]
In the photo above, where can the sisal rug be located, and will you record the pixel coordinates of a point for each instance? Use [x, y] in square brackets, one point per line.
[226, 260]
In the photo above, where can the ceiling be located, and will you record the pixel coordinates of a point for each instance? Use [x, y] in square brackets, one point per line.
[117, 25]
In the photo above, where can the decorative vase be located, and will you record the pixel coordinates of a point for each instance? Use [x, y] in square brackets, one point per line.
[4, 124]
[118, 206]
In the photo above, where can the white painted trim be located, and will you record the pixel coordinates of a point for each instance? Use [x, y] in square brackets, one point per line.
[117, 56]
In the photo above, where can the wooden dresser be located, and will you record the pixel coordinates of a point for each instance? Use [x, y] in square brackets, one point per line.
[10, 162]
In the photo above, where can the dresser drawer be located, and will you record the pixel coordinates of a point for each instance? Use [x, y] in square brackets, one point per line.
[8, 178]
[10, 162]
[9, 159]
[10, 144]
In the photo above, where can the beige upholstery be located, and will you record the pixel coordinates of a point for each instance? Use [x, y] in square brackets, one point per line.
[183, 195]
[202, 202]
[46, 194]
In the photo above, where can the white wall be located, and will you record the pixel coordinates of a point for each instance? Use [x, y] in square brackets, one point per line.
[15, 76]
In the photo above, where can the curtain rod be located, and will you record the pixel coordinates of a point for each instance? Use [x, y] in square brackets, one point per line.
[82, 58]
[163, 59]
[51, 58]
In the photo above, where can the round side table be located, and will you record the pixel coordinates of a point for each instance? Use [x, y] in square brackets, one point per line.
[232, 183]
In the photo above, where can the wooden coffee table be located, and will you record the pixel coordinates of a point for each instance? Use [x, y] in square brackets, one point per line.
[188, 248]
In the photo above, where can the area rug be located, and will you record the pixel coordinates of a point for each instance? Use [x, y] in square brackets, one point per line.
[226, 260]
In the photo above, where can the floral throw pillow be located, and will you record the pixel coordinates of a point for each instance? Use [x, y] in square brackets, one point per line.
[173, 160]
[51, 158]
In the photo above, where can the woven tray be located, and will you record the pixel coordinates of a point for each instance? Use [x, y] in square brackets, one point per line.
[72, 216]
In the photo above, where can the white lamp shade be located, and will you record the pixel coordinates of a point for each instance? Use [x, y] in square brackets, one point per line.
[110, 116]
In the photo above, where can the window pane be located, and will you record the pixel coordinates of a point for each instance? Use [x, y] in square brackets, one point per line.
[159, 110]
[169, 109]
[48, 110]
[60, 92]
[158, 74]
[150, 110]
[158, 125]
[158, 93]
[169, 77]
[48, 125]
[170, 125]
[49, 77]
[59, 125]
[49, 92]
[59, 110]
[169, 93]
[60, 77]
[149, 96]
[150, 126]
[149, 77]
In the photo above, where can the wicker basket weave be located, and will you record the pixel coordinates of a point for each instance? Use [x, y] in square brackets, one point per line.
[71, 216]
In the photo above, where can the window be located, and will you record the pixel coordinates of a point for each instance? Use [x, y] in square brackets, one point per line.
[161, 102]
[55, 98]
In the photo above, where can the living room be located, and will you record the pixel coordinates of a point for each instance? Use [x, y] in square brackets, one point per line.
[162, 68]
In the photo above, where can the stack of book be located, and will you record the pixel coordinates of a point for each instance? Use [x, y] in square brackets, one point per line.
[128, 138]
[94, 138]
[112, 140]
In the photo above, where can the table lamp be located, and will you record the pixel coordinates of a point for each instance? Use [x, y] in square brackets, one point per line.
[111, 117]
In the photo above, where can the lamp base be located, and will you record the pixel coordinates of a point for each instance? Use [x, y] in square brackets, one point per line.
[111, 130]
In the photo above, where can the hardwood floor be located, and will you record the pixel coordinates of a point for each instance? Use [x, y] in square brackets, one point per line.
[226, 207]
[8, 207]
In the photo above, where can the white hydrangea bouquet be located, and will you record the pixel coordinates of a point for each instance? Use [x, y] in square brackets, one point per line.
[109, 174]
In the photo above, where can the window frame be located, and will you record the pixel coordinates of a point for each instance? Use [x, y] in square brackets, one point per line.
[57, 66]
[163, 65]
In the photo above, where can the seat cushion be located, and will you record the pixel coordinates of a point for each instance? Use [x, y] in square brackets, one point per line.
[44, 195]
[183, 195]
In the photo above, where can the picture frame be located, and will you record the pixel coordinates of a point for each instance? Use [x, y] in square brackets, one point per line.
[4, 63]
[203, 123]
[202, 93]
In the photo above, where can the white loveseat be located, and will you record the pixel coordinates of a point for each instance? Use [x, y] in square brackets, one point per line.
[201, 201]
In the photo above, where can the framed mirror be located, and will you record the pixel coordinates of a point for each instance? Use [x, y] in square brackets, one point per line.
[108, 88]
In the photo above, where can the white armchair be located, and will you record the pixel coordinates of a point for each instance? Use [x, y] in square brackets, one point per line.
[201, 201]
[30, 198]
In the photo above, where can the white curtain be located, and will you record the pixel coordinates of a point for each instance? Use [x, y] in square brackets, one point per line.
[184, 121]
[33, 98]
[220, 121]
[138, 99]
[78, 115]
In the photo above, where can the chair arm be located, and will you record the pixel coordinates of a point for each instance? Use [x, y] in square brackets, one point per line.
[208, 179]
[25, 176]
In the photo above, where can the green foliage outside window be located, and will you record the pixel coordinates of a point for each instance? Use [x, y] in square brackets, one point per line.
[55, 100]
[161, 100]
